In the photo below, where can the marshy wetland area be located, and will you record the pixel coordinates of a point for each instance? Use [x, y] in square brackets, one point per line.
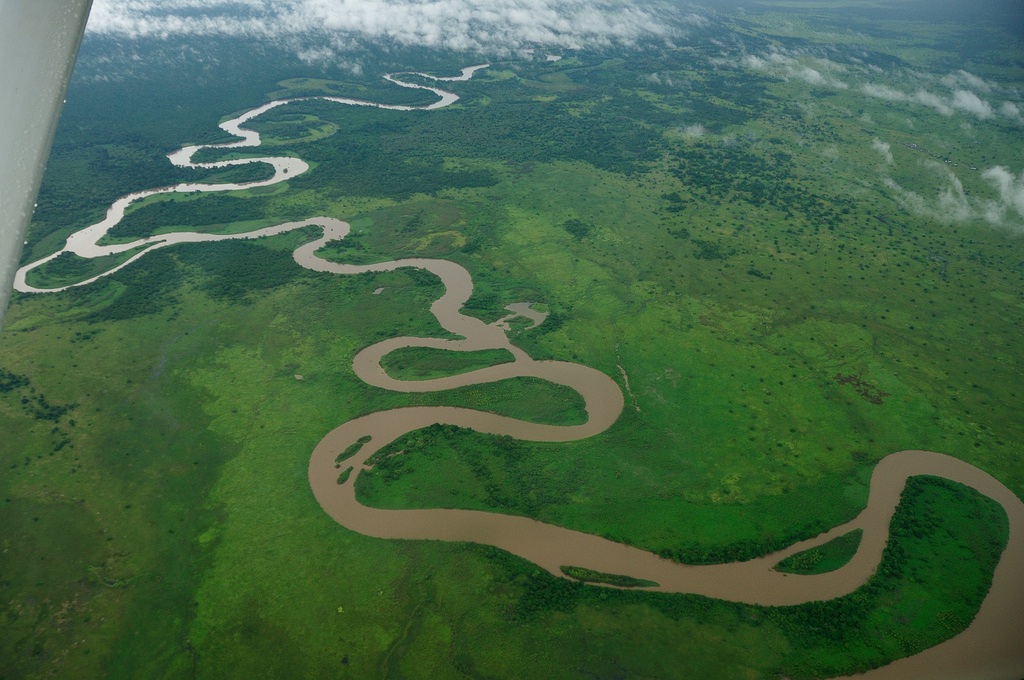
[675, 358]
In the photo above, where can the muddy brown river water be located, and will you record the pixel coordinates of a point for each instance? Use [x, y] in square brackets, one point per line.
[992, 647]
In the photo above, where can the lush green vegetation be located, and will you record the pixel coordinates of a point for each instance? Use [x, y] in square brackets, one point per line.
[722, 236]
[10, 381]
[67, 269]
[425, 363]
[192, 214]
[824, 558]
[530, 399]
[467, 469]
[146, 288]
[912, 603]
[617, 580]
[352, 449]
[909, 605]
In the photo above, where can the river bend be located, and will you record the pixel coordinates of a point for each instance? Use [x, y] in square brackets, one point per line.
[991, 647]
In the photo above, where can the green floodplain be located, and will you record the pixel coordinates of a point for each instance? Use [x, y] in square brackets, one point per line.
[797, 274]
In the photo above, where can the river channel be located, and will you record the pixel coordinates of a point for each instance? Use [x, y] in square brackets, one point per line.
[991, 647]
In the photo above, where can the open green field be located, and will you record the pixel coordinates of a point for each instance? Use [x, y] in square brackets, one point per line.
[797, 275]
[426, 363]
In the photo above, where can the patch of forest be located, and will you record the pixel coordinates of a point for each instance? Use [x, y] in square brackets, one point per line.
[824, 558]
[194, 214]
[736, 172]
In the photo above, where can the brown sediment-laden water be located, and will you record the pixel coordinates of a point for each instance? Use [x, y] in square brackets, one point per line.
[991, 647]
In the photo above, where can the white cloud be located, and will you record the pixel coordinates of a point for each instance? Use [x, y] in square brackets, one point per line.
[922, 96]
[952, 203]
[949, 95]
[960, 100]
[883, 149]
[952, 200]
[934, 101]
[496, 26]
[1010, 188]
[786, 67]
[884, 92]
[968, 80]
[965, 100]
[694, 131]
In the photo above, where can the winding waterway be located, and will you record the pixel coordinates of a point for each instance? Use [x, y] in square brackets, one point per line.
[991, 647]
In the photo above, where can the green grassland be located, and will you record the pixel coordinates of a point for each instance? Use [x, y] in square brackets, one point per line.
[784, 318]
[426, 363]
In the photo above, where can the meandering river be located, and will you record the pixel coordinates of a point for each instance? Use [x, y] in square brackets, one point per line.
[991, 647]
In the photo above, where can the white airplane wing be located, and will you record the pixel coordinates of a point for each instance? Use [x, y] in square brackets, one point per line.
[39, 41]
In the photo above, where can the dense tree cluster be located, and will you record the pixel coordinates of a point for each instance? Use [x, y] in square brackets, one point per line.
[35, 405]
[578, 229]
[762, 178]
[212, 209]
[144, 287]
[351, 449]
[618, 580]
[11, 381]
[740, 551]
[234, 270]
